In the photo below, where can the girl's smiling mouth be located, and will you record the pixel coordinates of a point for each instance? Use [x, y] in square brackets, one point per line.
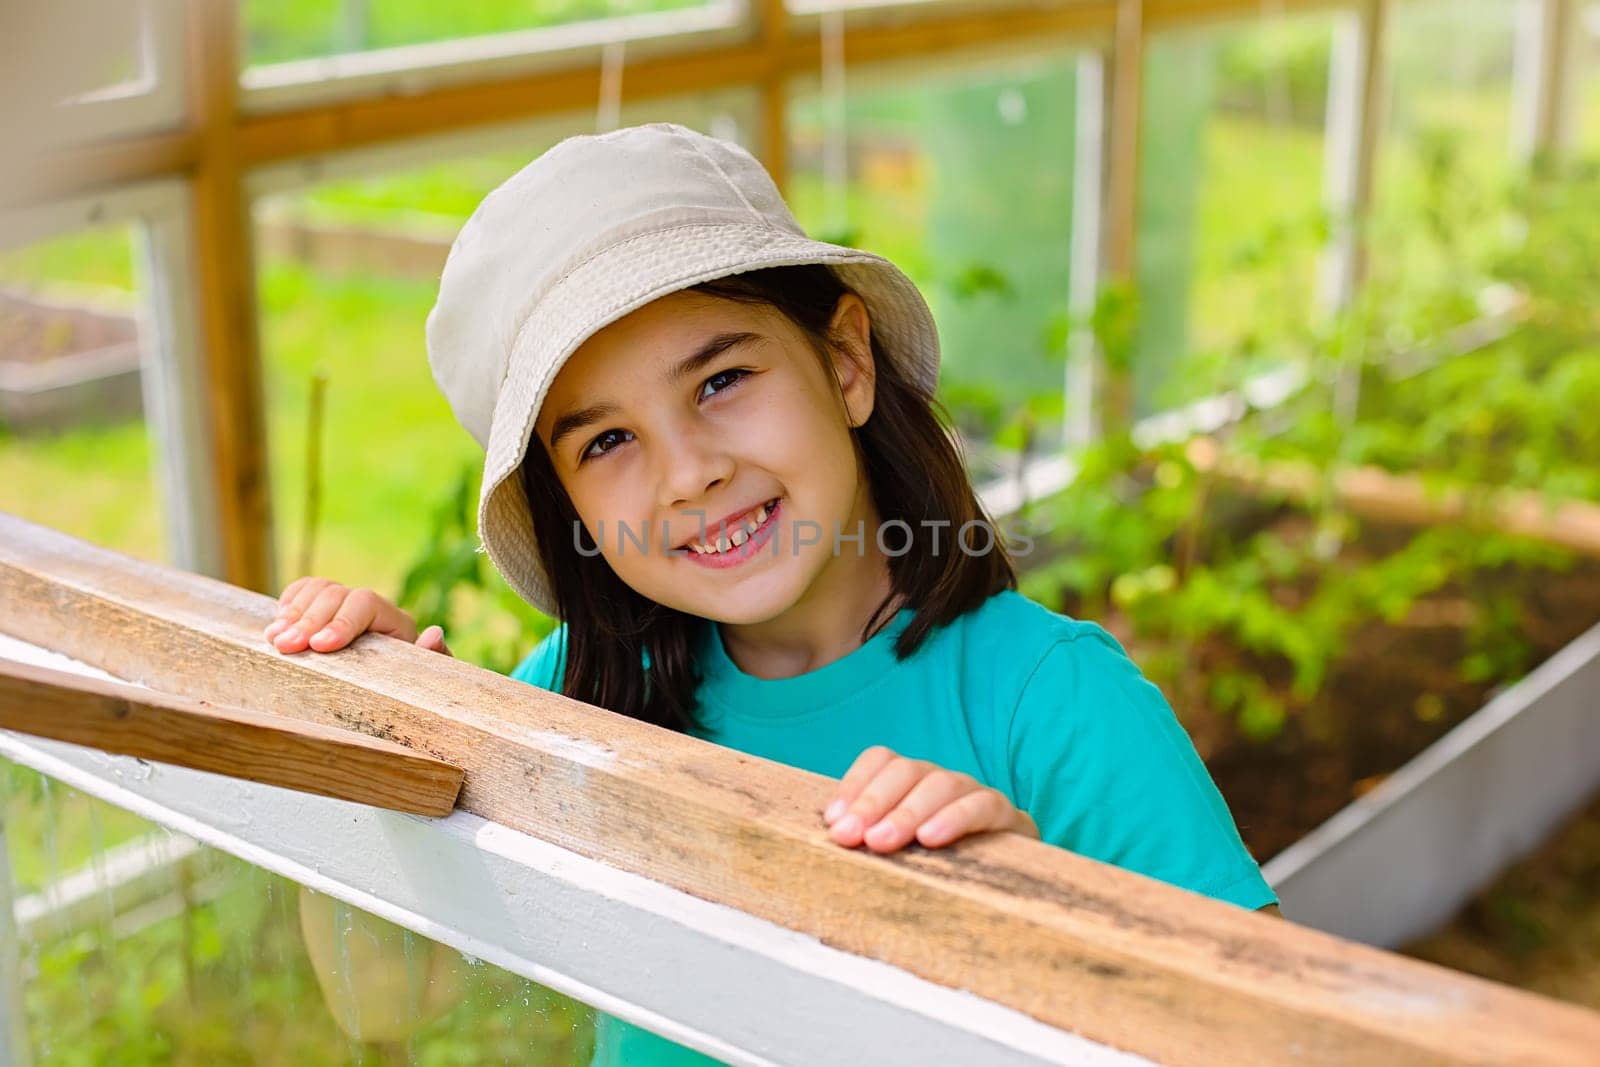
[736, 544]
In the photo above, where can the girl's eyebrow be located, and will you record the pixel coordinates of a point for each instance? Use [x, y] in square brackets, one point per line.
[573, 421]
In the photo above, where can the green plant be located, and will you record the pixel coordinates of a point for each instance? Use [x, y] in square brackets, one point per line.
[1266, 599]
[452, 583]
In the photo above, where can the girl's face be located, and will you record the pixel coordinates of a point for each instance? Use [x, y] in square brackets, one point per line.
[692, 420]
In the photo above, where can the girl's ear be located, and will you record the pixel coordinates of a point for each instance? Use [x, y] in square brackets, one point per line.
[851, 332]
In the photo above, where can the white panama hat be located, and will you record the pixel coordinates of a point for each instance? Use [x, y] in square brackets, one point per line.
[591, 230]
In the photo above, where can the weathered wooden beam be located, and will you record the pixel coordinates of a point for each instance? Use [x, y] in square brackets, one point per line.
[773, 16]
[191, 732]
[1406, 499]
[1120, 239]
[1121, 959]
[1126, 114]
[1165, 14]
[230, 349]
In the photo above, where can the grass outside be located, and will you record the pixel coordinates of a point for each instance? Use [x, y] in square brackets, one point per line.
[390, 443]
[279, 30]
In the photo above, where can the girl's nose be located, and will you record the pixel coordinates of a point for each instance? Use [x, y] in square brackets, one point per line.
[692, 463]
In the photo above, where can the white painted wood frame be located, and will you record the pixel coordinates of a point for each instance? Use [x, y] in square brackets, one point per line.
[1544, 78]
[1091, 150]
[1354, 132]
[153, 98]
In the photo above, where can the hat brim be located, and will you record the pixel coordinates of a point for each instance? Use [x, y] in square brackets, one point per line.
[625, 277]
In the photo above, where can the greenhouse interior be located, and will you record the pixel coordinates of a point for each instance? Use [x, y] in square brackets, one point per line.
[1272, 321]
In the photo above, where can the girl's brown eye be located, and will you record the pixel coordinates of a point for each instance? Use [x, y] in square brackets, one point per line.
[594, 448]
[729, 378]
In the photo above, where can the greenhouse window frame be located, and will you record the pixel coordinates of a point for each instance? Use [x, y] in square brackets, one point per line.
[151, 101]
[407, 70]
[159, 216]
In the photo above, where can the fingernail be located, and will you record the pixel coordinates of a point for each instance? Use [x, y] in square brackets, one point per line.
[849, 825]
[881, 833]
[322, 635]
[835, 810]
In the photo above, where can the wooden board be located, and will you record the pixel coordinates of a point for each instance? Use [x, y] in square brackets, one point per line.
[270, 749]
[1400, 498]
[230, 356]
[1121, 959]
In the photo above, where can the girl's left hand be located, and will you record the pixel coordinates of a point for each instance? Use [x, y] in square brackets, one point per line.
[885, 800]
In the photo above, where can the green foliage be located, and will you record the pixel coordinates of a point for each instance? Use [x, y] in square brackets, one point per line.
[1278, 70]
[452, 583]
[1144, 535]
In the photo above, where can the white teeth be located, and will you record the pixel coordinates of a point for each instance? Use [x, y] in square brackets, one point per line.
[738, 537]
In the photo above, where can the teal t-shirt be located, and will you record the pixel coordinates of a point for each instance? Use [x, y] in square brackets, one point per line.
[1048, 710]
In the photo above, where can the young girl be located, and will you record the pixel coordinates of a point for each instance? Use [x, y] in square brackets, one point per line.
[713, 453]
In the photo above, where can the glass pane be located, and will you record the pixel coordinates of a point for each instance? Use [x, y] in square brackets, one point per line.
[275, 32]
[962, 177]
[119, 61]
[348, 271]
[143, 947]
[74, 449]
[1445, 155]
[1231, 212]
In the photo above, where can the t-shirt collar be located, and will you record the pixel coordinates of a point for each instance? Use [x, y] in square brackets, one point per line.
[725, 685]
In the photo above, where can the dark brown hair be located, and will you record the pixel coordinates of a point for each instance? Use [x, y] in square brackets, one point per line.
[914, 472]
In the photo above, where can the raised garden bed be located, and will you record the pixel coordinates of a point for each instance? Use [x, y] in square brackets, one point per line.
[64, 365]
[1538, 926]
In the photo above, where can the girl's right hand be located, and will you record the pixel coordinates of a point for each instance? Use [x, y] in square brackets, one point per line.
[324, 616]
